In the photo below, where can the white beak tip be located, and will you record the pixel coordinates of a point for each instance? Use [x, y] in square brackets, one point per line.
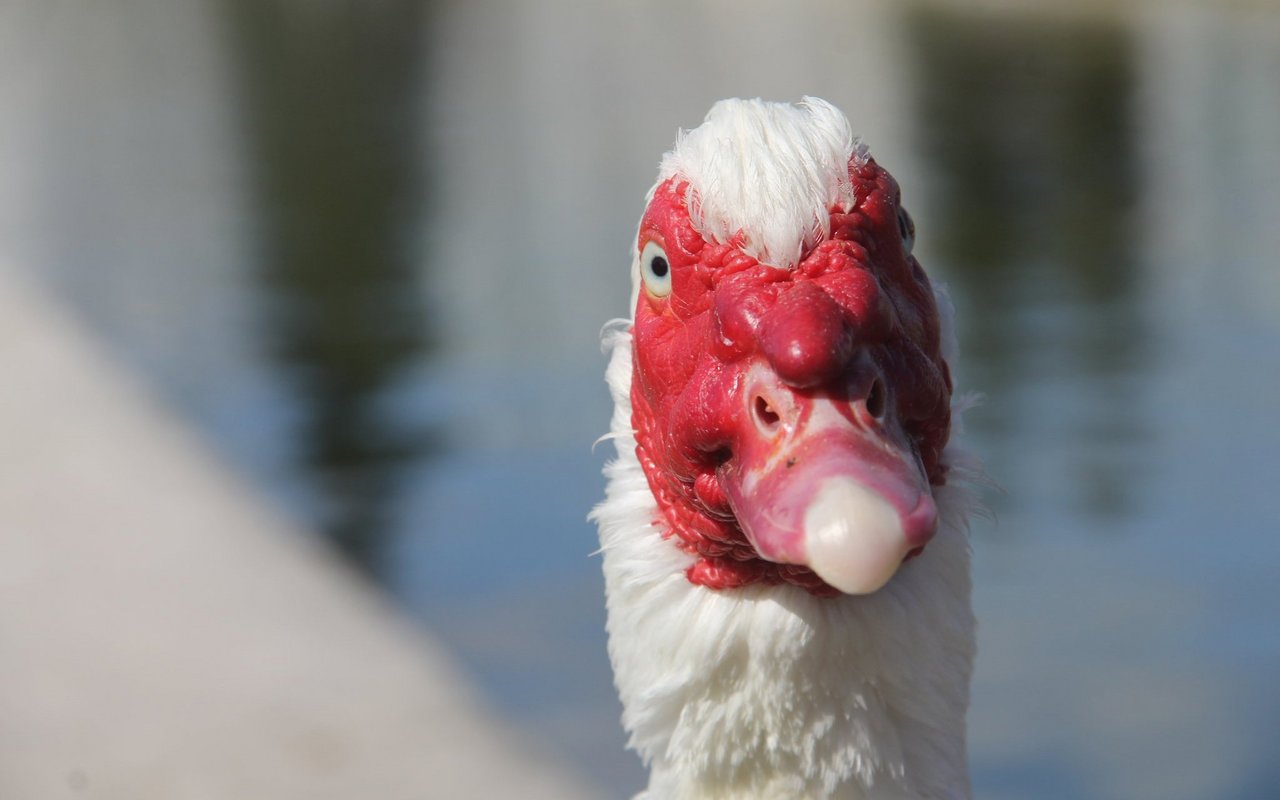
[854, 538]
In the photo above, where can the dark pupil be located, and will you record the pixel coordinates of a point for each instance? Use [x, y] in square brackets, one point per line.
[659, 266]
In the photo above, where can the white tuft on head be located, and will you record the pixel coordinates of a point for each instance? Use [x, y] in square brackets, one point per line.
[769, 171]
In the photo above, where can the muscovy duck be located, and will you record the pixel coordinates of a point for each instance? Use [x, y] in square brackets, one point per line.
[784, 533]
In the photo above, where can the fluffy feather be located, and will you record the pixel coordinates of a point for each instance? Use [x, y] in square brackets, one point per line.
[836, 685]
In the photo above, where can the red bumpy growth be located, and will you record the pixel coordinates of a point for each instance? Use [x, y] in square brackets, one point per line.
[857, 292]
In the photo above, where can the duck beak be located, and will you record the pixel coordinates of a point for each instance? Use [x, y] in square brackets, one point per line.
[818, 480]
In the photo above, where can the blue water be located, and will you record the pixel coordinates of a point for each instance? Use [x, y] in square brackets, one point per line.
[400, 346]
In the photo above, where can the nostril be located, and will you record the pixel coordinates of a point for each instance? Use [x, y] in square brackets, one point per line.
[765, 415]
[876, 399]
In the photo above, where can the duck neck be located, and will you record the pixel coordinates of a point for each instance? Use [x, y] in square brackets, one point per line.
[770, 691]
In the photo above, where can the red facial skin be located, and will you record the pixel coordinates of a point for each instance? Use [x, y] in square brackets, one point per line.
[853, 297]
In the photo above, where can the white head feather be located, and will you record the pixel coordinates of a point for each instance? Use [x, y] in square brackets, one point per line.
[781, 204]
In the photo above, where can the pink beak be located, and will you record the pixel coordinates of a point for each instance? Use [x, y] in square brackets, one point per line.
[822, 481]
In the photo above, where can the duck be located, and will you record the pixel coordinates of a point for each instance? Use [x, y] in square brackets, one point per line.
[784, 529]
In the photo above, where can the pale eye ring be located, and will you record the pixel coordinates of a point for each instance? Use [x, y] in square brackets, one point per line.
[655, 270]
[907, 230]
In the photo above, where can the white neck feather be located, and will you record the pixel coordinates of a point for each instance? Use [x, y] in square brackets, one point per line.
[768, 691]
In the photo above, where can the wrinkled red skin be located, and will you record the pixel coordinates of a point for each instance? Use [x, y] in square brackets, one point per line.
[856, 291]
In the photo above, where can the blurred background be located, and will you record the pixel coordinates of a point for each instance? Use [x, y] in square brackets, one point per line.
[366, 248]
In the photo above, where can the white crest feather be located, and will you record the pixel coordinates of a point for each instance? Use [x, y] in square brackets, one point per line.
[769, 171]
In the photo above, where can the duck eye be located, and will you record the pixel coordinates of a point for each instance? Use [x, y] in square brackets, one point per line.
[655, 270]
[906, 229]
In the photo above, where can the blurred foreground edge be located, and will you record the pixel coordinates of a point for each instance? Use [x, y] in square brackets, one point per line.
[163, 635]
